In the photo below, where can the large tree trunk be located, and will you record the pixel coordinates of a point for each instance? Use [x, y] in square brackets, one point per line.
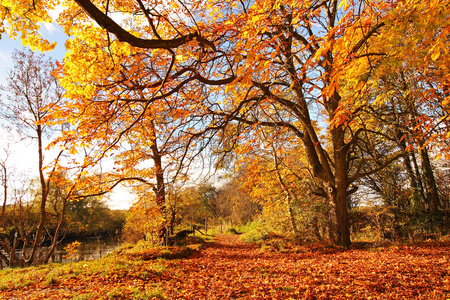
[342, 237]
[337, 192]
[339, 222]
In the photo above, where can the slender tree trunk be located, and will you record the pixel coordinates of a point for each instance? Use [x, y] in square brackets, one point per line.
[160, 195]
[286, 191]
[12, 251]
[418, 177]
[173, 215]
[430, 182]
[7, 246]
[44, 194]
[5, 188]
[315, 227]
[160, 188]
[3, 258]
[52, 247]
[415, 193]
[5, 197]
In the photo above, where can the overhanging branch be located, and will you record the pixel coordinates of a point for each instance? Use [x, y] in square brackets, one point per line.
[124, 36]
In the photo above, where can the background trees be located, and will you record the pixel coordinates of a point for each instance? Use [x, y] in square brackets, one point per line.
[34, 211]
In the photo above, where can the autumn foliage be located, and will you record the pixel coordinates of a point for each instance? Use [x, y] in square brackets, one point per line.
[328, 120]
[347, 89]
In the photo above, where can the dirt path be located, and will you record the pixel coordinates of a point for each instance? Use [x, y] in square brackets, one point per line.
[231, 269]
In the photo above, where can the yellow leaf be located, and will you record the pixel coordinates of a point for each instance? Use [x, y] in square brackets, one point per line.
[436, 53]
[343, 3]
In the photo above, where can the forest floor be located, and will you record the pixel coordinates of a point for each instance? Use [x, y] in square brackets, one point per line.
[231, 269]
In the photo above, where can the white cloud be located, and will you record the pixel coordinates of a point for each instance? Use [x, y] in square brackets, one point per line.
[54, 13]
[50, 27]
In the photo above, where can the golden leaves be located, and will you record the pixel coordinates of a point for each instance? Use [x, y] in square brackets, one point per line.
[25, 18]
[345, 4]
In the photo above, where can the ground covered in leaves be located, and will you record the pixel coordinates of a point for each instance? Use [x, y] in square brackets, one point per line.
[230, 269]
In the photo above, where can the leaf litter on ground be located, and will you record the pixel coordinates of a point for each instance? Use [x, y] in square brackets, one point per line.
[232, 269]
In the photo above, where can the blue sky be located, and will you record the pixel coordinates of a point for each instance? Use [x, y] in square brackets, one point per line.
[23, 154]
[52, 32]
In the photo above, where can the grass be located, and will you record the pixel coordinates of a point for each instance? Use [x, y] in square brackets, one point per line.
[22, 277]
[127, 265]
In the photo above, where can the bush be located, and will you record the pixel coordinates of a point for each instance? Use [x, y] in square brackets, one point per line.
[386, 224]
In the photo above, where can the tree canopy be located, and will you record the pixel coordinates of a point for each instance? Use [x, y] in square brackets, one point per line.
[166, 80]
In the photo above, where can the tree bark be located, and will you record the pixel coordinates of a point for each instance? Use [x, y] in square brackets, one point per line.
[337, 198]
[52, 247]
[160, 188]
[430, 182]
[337, 190]
[44, 194]
[5, 187]
[415, 193]
[122, 35]
[418, 177]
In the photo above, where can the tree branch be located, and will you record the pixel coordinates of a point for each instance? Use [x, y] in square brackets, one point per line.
[124, 36]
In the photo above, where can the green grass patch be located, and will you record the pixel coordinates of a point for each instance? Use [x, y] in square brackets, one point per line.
[141, 262]
[22, 277]
[152, 253]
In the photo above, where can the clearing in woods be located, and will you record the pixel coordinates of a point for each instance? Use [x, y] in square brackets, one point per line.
[231, 269]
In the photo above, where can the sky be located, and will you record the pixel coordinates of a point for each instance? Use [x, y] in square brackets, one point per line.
[22, 154]
[52, 32]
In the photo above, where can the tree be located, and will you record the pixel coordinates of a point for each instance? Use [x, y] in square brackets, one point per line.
[4, 176]
[410, 84]
[30, 93]
[280, 79]
[291, 68]
[260, 63]
[18, 223]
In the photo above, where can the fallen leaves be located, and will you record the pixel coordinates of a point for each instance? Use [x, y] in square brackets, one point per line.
[230, 269]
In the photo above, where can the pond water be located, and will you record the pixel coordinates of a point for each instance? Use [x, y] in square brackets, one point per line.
[93, 248]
